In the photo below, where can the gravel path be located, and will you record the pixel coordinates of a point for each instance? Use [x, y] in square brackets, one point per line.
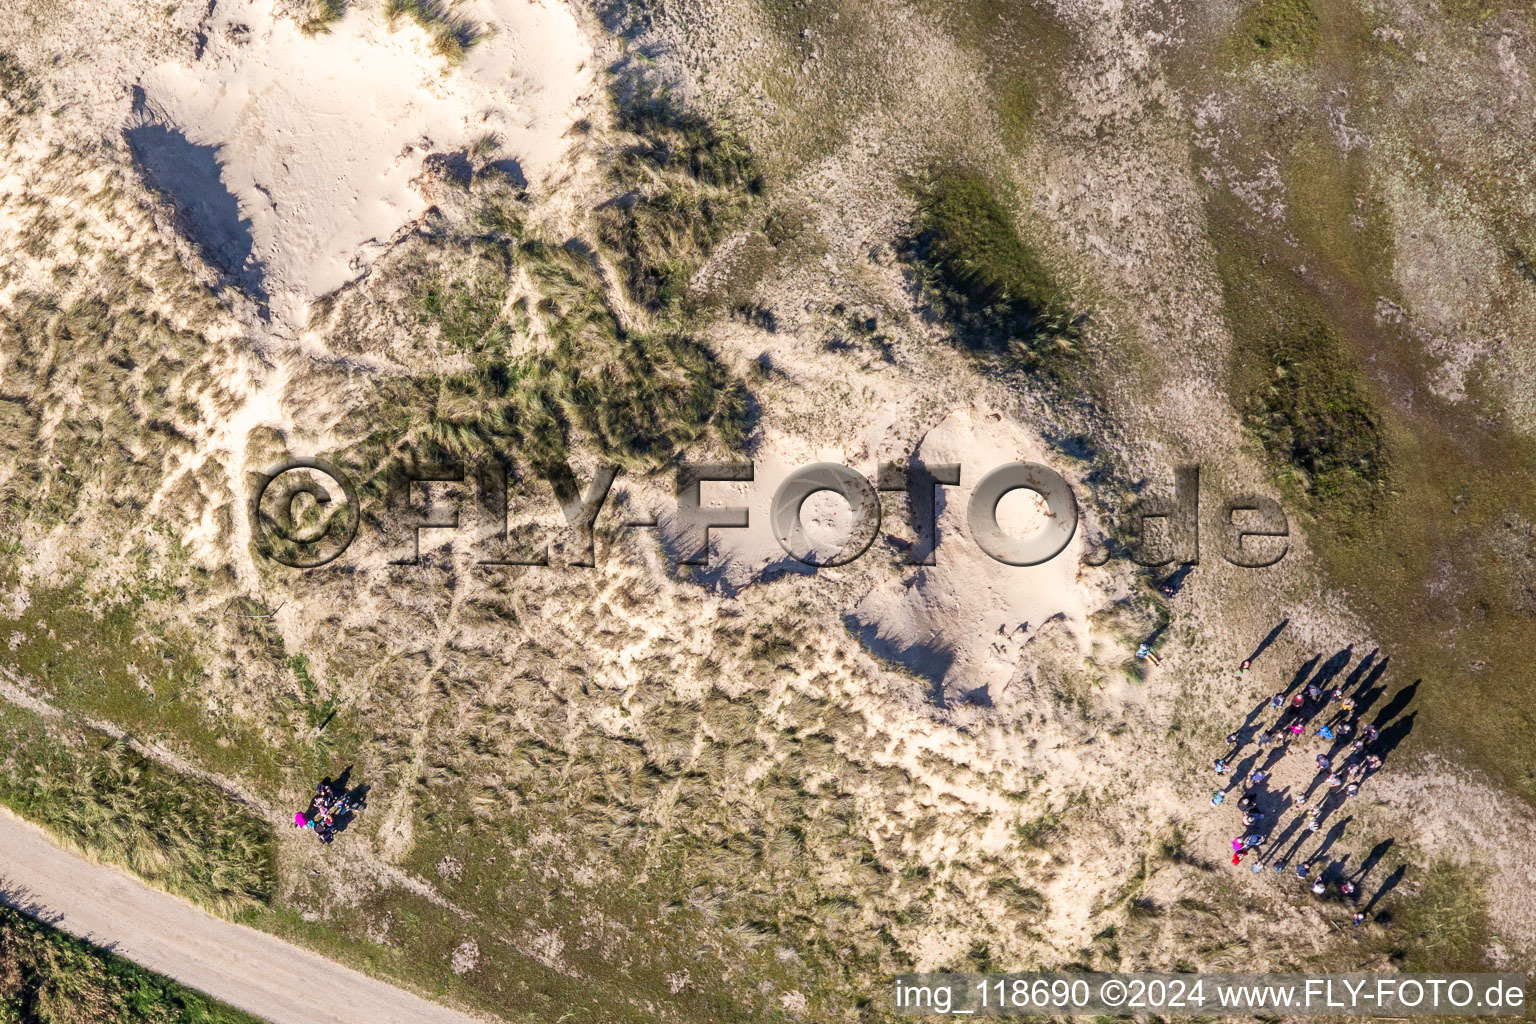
[248, 969]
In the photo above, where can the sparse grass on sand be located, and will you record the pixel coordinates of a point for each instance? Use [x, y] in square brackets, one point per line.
[49, 977]
[452, 34]
[325, 14]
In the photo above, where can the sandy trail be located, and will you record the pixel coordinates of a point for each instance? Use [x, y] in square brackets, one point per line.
[247, 969]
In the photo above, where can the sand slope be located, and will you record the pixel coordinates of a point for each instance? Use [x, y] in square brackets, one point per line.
[292, 156]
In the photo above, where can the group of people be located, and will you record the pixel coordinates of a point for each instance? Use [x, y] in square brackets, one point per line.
[327, 811]
[1348, 761]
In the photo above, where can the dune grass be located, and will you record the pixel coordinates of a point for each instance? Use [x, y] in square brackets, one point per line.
[49, 977]
[452, 34]
[685, 183]
[326, 13]
[985, 281]
[564, 353]
[102, 798]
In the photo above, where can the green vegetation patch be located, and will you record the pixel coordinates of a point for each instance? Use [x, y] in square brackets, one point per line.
[1312, 413]
[1444, 926]
[1299, 386]
[985, 281]
[47, 976]
[104, 799]
[1278, 30]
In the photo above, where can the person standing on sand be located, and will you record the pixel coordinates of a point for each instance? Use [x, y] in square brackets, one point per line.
[1277, 701]
[1319, 887]
[1242, 669]
[1144, 652]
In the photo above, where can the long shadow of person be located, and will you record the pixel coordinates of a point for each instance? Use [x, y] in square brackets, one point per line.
[1335, 869]
[1320, 778]
[1391, 883]
[1175, 582]
[1334, 665]
[354, 800]
[1285, 836]
[1371, 860]
[1359, 671]
[1399, 703]
[1393, 734]
[1302, 673]
[1240, 773]
[1334, 835]
[1368, 692]
[1274, 635]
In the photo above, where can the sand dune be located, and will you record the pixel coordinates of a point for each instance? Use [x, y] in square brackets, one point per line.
[292, 156]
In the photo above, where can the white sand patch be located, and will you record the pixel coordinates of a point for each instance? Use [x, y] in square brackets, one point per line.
[318, 138]
[741, 556]
[964, 620]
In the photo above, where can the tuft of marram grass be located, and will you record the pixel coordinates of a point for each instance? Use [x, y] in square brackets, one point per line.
[452, 34]
[326, 13]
